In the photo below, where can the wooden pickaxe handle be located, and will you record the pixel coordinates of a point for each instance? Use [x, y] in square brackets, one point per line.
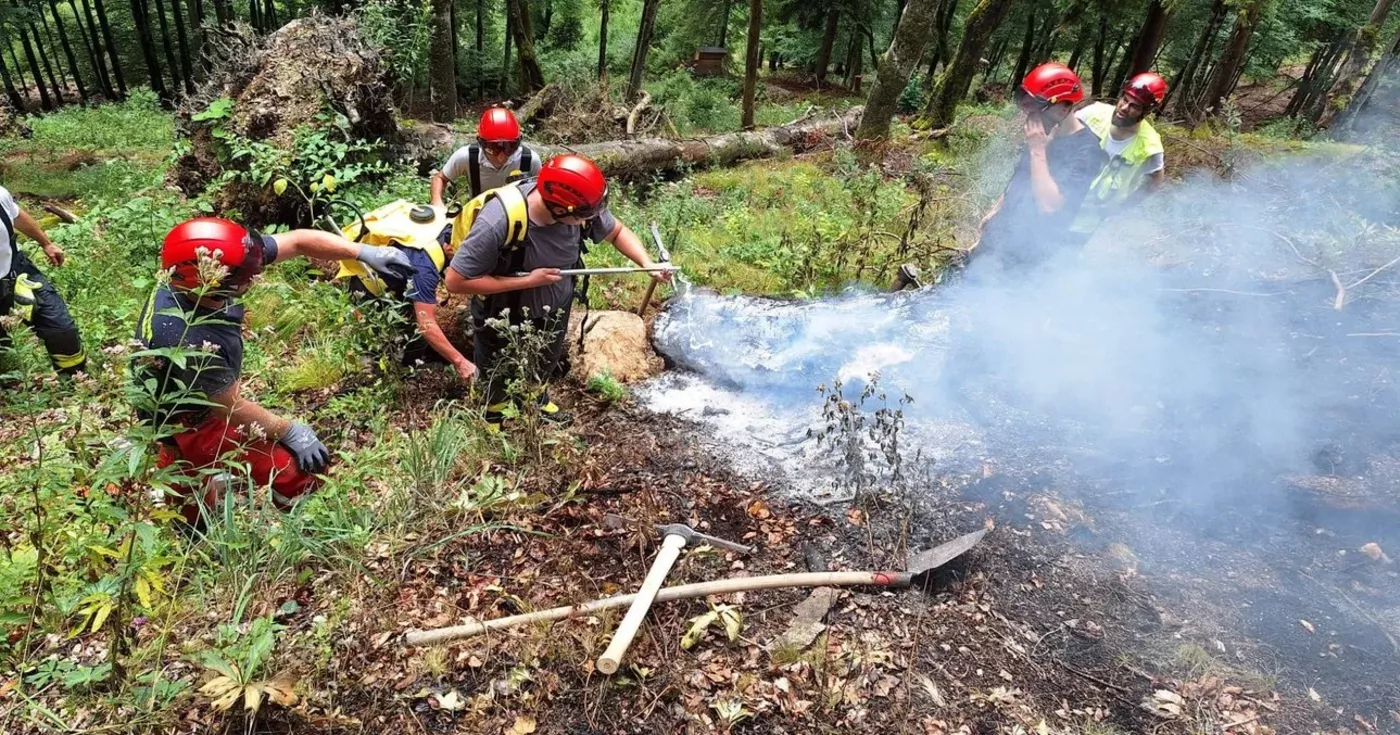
[665, 258]
[632, 622]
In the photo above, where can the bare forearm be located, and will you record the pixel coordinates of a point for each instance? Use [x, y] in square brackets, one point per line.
[243, 413]
[1043, 186]
[627, 243]
[437, 188]
[26, 224]
[485, 285]
[432, 332]
[314, 244]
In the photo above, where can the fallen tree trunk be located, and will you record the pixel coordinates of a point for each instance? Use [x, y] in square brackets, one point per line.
[648, 156]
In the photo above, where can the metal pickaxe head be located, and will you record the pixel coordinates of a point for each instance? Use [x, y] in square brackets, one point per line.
[660, 246]
[693, 537]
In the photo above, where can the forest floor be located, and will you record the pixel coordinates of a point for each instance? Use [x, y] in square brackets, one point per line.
[425, 519]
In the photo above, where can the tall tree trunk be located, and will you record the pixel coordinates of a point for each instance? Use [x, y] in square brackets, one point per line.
[11, 93]
[1182, 86]
[1359, 101]
[1023, 59]
[19, 70]
[68, 50]
[480, 56]
[604, 9]
[88, 34]
[109, 45]
[170, 61]
[442, 71]
[724, 23]
[916, 27]
[186, 65]
[956, 79]
[870, 46]
[531, 76]
[44, 99]
[1149, 39]
[269, 15]
[940, 48]
[223, 11]
[1080, 40]
[1118, 58]
[994, 59]
[833, 20]
[1363, 48]
[1222, 81]
[505, 62]
[751, 62]
[44, 43]
[255, 14]
[148, 47]
[1100, 49]
[1317, 79]
[853, 62]
[639, 53]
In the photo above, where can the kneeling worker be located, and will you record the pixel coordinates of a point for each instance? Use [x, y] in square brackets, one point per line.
[211, 263]
[535, 228]
[1136, 159]
[494, 160]
[26, 293]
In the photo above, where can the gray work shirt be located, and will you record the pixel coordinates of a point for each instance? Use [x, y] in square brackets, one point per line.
[483, 252]
[459, 164]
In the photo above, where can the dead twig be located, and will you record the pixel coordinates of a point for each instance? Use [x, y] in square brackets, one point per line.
[1340, 301]
[1091, 677]
[1374, 334]
[642, 104]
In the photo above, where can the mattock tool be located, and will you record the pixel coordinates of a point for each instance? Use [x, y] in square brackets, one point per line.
[675, 536]
[665, 260]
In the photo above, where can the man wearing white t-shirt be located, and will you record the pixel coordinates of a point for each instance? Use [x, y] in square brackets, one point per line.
[1136, 159]
[27, 296]
[496, 158]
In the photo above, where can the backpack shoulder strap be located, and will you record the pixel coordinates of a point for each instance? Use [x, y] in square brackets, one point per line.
[474, 169]
[517, 215]
[527, 161]
[10, 230]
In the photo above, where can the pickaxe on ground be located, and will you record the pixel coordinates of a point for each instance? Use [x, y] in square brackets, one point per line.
[919, 564]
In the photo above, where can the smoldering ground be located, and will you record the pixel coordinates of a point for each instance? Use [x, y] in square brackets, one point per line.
[1189, 369]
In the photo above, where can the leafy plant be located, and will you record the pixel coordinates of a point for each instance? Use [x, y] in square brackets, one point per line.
[238, 667]
[608, 387]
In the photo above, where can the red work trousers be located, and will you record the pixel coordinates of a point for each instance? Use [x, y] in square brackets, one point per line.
[214, 442]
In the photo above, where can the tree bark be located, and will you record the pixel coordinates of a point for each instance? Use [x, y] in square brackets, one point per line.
[604, 9]
[1023, 59]
[1183, 86]
[1317, 79]
[916, 27]
[956, 79]
[68, 51]
[44, 99]
[724, 23]
[11, 93]
[269, 15]
[833, 20]
[1080, 40]
[531, 76]
[170, 60]
[940, 48]
[186, 63]
[19, 71]
[88, 35]
[1222, 81]
[1359, 101]
[45, 43]
[505, 62]
[1100, 56]
[108, 45]
[442, 70]
[480, 57]
[751, 62]
[639, 52]
[853, 62]
[148, 47]
[1149, 39]
[1363, 48]
[254, 14]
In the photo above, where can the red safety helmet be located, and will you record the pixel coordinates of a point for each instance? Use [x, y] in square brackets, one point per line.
[232, 245]
[498, 125]
[1049, 84]
[1148, 88]
[572, 186]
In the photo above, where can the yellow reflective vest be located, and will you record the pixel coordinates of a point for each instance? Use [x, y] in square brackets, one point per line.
[1123, 174]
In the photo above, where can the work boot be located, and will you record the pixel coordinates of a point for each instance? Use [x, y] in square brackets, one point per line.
[551, 413]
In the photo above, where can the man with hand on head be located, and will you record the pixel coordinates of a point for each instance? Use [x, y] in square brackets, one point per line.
[494, 160]
[1031, 221]
[211, 262]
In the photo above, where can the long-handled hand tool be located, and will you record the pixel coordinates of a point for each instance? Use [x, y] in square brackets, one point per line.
[919, 564]
[610, 271]
[675, 537]
[665, 258]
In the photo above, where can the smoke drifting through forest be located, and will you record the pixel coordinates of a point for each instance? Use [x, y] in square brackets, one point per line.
[1196, 353]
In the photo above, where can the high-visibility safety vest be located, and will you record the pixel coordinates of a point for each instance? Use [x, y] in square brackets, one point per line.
[1123, 174]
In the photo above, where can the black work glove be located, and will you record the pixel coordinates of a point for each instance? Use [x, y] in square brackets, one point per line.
[386, 260]
[312, 456]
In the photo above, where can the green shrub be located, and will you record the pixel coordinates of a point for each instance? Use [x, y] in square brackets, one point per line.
[607, 387]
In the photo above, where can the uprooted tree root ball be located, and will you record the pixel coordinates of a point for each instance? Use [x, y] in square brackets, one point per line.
[314, 73]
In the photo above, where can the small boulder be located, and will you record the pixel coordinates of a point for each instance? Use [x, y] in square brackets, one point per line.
[616, 342]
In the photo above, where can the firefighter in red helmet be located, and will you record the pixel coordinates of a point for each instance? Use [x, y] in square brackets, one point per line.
[495, 159]
[1031, 221]
[1136, 158]
[188, 378]
[534, 227]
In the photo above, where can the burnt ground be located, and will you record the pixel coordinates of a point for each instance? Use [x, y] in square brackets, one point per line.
[1050, 625]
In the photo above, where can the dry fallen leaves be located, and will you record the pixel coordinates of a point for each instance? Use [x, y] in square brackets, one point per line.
[524, 725]
[1374, 552]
